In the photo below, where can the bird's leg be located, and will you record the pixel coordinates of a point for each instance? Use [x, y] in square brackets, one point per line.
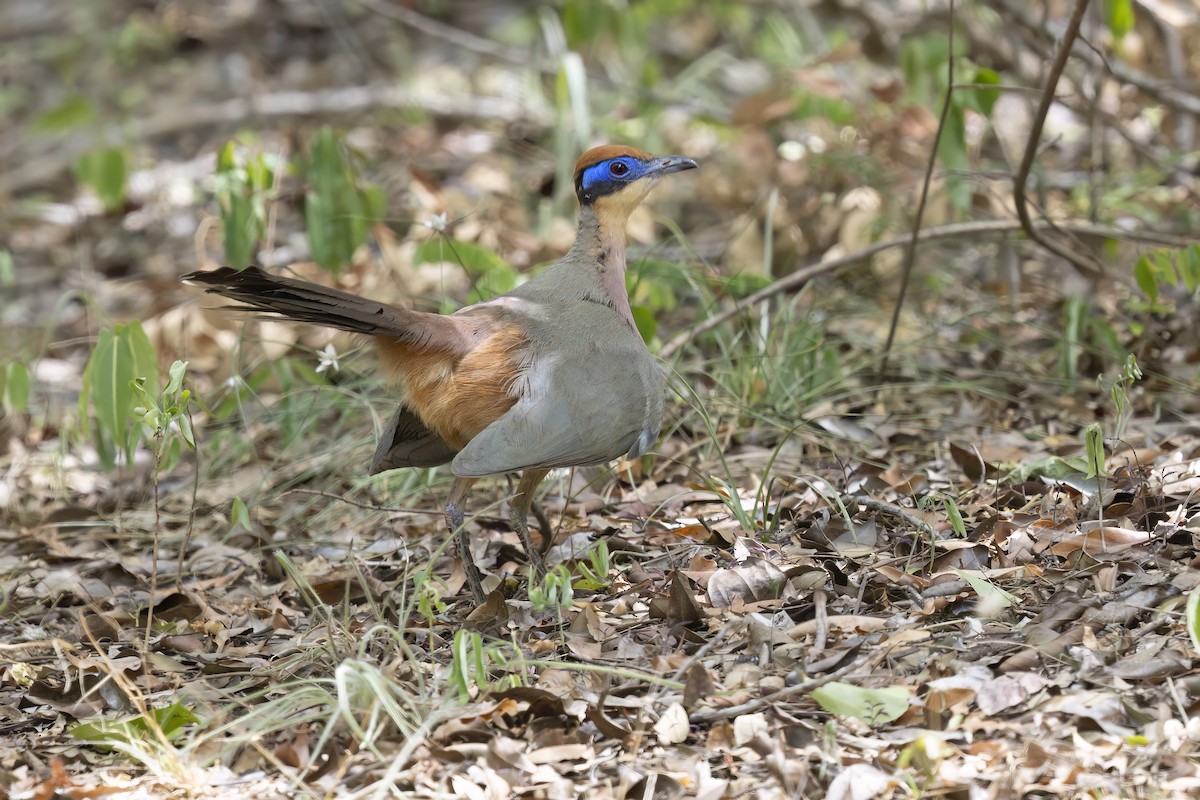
[519, 516]
[456, 522]
[544, 523]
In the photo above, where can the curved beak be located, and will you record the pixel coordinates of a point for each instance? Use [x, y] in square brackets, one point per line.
[665, 165]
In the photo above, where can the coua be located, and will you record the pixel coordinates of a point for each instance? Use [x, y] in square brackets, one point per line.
[552, 374]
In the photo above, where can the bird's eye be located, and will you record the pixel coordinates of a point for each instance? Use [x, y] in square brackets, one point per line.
[618, 168]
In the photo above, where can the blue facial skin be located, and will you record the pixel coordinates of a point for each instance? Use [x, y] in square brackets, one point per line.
[609, 176]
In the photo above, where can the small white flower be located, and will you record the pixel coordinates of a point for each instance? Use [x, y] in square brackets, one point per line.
[791, 150]
[234, 382]
[327, 359]
[437, 222]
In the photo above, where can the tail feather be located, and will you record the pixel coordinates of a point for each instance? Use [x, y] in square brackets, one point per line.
[320, 305]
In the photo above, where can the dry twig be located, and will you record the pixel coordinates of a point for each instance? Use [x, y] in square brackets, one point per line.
[1083, 263]
[803, 275]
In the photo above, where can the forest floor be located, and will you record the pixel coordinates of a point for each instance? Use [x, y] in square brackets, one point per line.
[960, 570]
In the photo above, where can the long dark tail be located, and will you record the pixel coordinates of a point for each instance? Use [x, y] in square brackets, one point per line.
[320, 305]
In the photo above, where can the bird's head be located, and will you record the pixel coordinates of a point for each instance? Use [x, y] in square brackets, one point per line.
[614, 179]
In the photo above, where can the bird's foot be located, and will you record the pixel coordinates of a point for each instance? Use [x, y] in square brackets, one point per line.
[456, 522]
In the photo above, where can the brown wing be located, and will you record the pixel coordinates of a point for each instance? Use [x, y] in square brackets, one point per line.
[407, 442]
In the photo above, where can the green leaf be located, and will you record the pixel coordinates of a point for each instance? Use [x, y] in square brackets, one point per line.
[74, 112]
[240, 515]
[657, 284]
[8, 271]
[319, 227]
[1193, 617]
[227, 158]
[990, 595]
[1120, 16]
[115, 734]
[643, 318]
[1143, 273]
[744, 284]
[476, 260]
[145, 360]
[171, 453]
[1164, 267]
[490, 274]
[326, 173]
[338, 212]
[122, 356]
[873, 706]
[952, 149]
[239, 231]
[242, 193]
[956, 521]
[175, 381]
[1093, 437]
[142, 397]
[185, 430]
[1053, 467]
[654, 295]
[110, 392]
[106, 448]
[466, 652]
[261, 170]
[17, 385]
[105, 171]
[983, 100]
[374, 204]
[1188, 263]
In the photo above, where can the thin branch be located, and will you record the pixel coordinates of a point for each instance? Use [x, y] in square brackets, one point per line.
[910, 253]
[345, 100]
[455, 36]
[393, 509]
[1162, 91]
[899, 513]
[1082, 262]
[803, 275]
[368, 506]
[181, 558]
[158, 448]
[767, 701]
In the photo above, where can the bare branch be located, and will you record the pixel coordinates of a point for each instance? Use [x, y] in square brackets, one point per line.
[910, 253]
[803, 275]
[1085, 264]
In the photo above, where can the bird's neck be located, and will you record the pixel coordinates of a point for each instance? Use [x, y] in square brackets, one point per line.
[600, 245]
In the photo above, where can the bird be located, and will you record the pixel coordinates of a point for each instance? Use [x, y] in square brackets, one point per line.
[551, 374]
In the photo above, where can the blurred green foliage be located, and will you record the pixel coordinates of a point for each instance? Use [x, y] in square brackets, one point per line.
[1085, 331]
[123, 354]
[15, 386]
[165, 413]
[1119, 15]
[339, 207]
[245, 185]
[72, 113]
[923, 60]
[1166, 266]
[105, 171]
[8, 268]
[490, 274]
[139, 731]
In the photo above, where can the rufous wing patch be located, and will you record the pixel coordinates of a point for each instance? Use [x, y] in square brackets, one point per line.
[603, 153]
[457, 396]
